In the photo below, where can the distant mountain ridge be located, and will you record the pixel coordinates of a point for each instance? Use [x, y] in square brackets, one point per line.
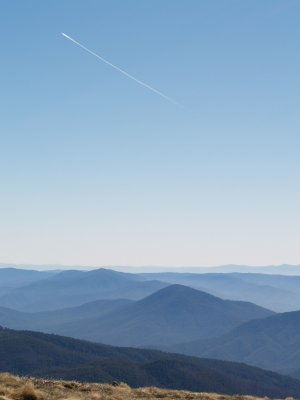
[49, 290]
[281, 269]
[275, 292]
[73, 288]
[11, 278]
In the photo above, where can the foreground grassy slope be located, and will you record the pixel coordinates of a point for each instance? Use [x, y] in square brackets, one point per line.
[17, 388]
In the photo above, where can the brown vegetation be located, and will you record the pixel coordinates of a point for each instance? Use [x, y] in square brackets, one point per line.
[21, 388]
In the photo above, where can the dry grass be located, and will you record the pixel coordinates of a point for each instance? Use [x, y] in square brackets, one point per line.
[17, 388]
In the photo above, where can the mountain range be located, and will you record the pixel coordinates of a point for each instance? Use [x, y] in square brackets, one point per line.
[73, 288]
[50, 290]
[171, 315]
[174, 312]
[275, 292]
[281, 269]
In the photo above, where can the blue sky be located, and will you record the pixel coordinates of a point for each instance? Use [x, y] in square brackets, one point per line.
[97, 170]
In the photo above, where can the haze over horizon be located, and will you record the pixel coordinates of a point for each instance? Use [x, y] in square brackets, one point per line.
[96, 170]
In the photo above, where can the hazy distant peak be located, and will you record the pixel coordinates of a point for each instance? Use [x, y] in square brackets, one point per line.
[181, 291]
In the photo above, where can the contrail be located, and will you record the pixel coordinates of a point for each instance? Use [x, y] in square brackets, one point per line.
[122, 71]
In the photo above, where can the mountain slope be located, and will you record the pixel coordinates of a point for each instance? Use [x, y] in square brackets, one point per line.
[272, 343]
[51, 321]
[73, 288]
[171, 315]
[36, 354]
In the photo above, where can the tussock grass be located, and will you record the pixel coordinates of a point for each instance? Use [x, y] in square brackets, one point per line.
[18, 388]
[26, 392]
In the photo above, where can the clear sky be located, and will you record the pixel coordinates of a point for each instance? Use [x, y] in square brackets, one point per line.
[97, 170]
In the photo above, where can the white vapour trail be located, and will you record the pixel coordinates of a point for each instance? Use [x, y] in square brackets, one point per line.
[122, 71]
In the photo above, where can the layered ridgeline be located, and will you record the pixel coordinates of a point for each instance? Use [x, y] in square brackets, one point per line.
[51, 356]
[42, 291]
[171, 315]
[73, 288]
[272, 343]
[276, 292]
[141, 310]
[12, 278]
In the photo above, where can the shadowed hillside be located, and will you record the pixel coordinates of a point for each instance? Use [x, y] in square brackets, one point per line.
[37, 354]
